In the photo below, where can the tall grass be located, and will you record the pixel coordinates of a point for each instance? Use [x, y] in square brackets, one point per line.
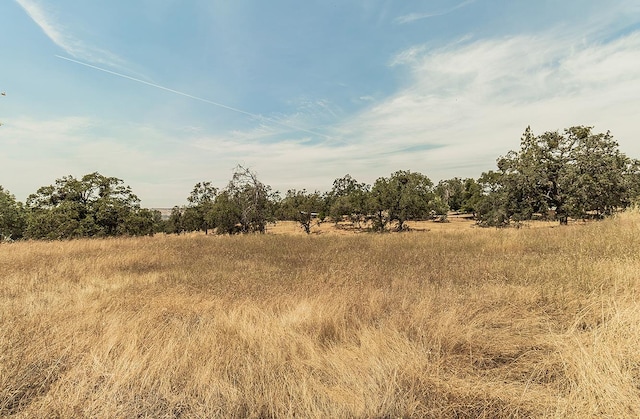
[464, 323]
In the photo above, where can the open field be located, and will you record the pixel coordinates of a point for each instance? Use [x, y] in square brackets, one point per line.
[460, 322]
[454, 223]
[345, 228]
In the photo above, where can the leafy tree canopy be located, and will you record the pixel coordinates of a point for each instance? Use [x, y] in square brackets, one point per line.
[252, 200]
[403, 196]
[201, 202]
[94, 205]
[12, 217]
[302, 206]
[574, 174]
[348, 198]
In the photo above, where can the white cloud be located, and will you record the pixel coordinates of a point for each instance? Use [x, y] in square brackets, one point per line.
[161, 165]
[463, 106]
[475, 99]
[408, 56]
[60, 35]
[47, 149]
[412, 17]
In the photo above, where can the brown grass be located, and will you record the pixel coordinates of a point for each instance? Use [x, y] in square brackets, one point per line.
[461, 323]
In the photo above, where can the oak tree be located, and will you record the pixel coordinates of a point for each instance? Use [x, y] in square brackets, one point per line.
[12, 217]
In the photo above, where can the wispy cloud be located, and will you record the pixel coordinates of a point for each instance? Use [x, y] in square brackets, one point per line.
[409, 55]
[412, 17]
[284, 122]
[60, 35]
[473, 100]
[460, 106]
[463, 106]
[50, 148]
[162, 165]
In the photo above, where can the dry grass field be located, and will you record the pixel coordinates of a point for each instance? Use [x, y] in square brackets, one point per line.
[453, 322]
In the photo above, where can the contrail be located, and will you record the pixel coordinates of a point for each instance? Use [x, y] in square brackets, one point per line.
[210, 102]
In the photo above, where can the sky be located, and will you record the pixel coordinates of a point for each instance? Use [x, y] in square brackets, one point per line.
[164, 94]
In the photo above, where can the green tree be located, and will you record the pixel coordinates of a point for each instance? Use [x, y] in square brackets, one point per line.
[403, 196]
[175, 224]
[493, 205]
[471, 195]
[348, 198]
[143, 222]
[380, 200]
[159, 223]
[459, 194]
[200, 205]
[596, 174]
[574, 174]
[301, 206]
[451, 192]
[252, 200]
[633, 181]
[94, 205]
[12, 217]
[225, 215]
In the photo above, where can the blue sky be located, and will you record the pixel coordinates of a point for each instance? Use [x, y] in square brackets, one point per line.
[166, 93]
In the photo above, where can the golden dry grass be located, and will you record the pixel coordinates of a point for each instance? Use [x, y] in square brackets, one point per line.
[458, 323]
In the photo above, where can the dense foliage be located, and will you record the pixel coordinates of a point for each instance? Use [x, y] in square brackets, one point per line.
[246, 205]
[576, 173]
[94, 205]
[12, 217]
[401, 197]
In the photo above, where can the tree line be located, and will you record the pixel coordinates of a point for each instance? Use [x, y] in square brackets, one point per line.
[557, 175]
